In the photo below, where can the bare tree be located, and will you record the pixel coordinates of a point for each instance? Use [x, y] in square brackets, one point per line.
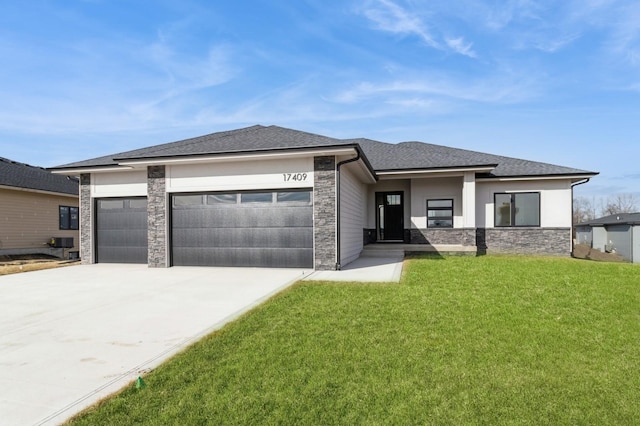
[584, 209]
[620, 203]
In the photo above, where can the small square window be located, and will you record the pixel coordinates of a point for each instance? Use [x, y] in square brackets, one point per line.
[69, 218]
[440, 213]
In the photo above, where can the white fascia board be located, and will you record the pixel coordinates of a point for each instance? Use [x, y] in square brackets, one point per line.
[236, 157]
[77, 172]
[529, 178]
[403, 174]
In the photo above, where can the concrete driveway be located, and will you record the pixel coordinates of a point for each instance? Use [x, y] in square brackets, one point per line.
[71, 336]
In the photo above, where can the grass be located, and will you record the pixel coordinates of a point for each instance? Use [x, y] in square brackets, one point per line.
[462, 340]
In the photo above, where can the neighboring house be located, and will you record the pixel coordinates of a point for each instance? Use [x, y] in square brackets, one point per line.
[619, 233]
[36, 206]
[271, 196]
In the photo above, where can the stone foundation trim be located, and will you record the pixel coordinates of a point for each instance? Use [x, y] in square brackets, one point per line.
[449, 236]
[547, 241]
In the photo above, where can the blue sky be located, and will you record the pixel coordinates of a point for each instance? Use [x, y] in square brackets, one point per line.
[553, 81]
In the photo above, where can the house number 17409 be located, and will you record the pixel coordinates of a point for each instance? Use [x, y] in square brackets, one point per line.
[298, 177]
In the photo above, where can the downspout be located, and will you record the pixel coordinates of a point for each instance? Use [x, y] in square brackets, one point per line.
[573, 246]
[351, 160]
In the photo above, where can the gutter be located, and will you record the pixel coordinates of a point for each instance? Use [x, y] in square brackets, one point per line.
[351, 160]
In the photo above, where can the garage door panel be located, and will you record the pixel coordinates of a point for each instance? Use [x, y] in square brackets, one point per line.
[119, 254]
[246, 234]
[245, 237]
[122, 238]
[121, 230]
[242, 217]
[247, 257]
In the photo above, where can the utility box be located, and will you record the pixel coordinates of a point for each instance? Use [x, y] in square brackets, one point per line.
[61, 242]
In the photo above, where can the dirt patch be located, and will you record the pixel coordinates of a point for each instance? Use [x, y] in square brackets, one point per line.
[583, 251]
[14, 264]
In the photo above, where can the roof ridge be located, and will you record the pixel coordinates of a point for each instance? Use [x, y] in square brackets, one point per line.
[19, 163]
[190, 141]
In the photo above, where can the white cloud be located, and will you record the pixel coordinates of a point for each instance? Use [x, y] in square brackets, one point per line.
[458, 45]
[390, 17]
[498, 89]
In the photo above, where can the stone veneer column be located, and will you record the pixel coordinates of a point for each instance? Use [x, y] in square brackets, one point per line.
[86, 229]
[324, 212]
[157, 217]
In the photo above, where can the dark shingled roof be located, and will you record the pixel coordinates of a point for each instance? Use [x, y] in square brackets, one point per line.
[420, 155]
[249, 139]
[19, 175]
[614, 219]
[382, 156]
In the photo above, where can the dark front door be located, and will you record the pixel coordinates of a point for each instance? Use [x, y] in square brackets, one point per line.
[390, 212]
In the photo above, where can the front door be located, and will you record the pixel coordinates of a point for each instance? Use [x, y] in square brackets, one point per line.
[390, 216]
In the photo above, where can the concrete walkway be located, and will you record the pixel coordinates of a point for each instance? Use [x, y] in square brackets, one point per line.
[364, 269]
[73, 335]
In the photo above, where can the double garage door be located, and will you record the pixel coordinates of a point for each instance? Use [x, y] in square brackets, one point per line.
[260, 229]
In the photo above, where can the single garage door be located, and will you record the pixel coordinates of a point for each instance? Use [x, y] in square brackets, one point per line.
[261, 229]
[121, 230]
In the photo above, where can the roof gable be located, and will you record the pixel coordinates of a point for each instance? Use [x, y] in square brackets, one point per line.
[24, 176]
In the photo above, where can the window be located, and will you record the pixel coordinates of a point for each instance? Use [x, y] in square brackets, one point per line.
[256, 197]
[394, 199]
[69, 217]
[440, 213]
[297, 197]
[521, 209]
[222, 198]
[187, 200]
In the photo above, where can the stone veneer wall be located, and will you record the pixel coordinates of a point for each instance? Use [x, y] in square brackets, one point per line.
[86, 231]
[324, 213]
[556, 241]
[157, 217]
[458, 236]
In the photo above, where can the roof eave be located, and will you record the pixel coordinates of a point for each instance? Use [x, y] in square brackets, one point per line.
[576, 176]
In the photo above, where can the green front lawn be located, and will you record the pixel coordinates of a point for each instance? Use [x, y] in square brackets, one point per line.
[462, 340]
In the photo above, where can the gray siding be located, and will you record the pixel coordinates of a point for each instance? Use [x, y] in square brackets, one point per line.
[620, 238]
[600, 238]
[584, 235]
[352, 210]
[636, 243]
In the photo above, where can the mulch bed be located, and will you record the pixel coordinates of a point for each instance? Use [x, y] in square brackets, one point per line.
[583, 251]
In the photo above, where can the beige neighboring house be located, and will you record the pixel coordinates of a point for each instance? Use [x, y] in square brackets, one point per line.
[38, 211]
